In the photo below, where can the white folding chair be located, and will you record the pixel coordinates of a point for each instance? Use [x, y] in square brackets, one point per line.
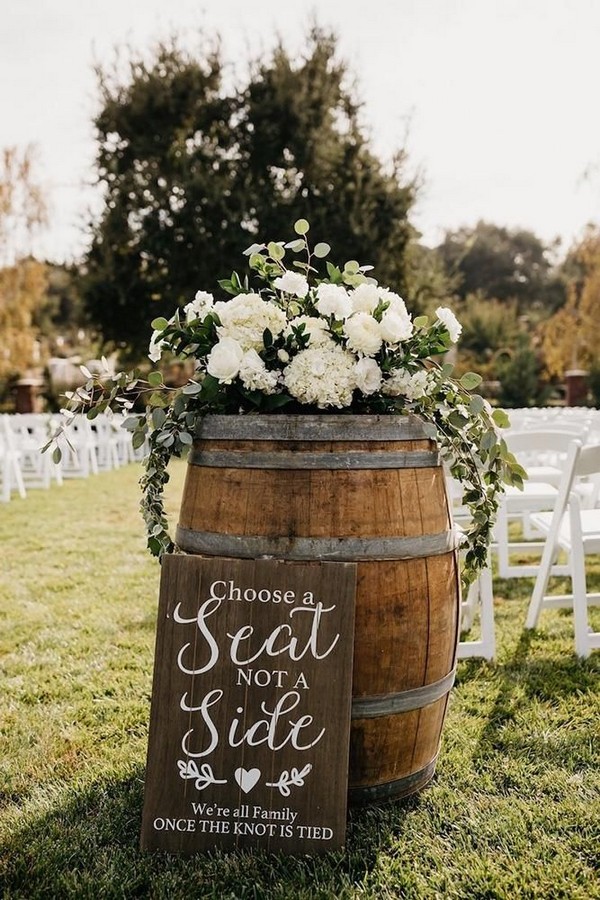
[480, 596]
[542, 454]
[30, 432]
[575, 530]
[10, 463]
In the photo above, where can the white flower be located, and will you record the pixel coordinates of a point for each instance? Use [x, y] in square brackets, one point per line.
[395, 326]
[364, 333]
[283, 356]
[254, 374]
[202, 303]
[292, 283]
[368, 375]
[156, 347]
[395, 301]
[323, 376]
[224, 360]
[447, 318]
[402, 383]
[245, 319]
[333, 300]
[317, 330]
[365, 298]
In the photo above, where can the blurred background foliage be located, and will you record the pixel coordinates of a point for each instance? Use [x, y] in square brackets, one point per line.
[193, 168]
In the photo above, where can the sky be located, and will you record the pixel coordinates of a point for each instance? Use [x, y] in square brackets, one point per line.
[496, 101]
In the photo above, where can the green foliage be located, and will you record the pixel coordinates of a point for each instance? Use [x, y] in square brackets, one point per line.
[404, 376]
[520, 376]
[505, 265]
[192, 171]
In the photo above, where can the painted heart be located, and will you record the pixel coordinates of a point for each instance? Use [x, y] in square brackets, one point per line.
[246, 778]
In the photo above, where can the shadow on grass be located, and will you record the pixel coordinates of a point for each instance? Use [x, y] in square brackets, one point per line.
[530, 691]
[87, 847]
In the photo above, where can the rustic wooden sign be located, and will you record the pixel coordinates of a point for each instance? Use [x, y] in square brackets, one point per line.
[250, 717]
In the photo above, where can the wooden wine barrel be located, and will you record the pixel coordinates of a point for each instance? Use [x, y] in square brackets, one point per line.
[368, 489]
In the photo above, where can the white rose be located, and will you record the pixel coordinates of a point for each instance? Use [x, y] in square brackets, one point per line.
[224, 360]
[364, 333]
[368, 375]
[395, 326]
[447, 318]
[292, 283]
[156, 347]
[333, 300]
[201, 304]
[365, 298]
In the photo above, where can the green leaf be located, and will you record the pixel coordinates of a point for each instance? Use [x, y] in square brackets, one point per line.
[295, 246]
[159, 417]
[256, 260]
[470, 380]
[476, 404]
[276, 251]
[57, 455]
[192, 388]
[421, 321]
[352, 267]
[301, 226]
[160, 324]
[138, 439]
[500, 418]
[321, 250]
[158, 399]
[155, 378]
[185, 438]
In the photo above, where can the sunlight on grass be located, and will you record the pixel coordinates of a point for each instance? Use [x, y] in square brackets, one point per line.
[511, 813]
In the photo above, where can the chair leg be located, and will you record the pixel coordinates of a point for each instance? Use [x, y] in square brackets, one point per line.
[580, 611]
[541, 583]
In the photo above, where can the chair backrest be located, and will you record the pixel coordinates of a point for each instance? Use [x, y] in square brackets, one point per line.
[588, 461]
[540, 441]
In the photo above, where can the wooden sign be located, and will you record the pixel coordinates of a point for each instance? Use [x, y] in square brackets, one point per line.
[250, 718]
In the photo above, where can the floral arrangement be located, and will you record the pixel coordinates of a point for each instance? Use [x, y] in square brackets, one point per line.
[303, 341]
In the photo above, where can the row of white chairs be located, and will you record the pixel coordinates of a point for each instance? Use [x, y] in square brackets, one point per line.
[559, 517]
[89, 447]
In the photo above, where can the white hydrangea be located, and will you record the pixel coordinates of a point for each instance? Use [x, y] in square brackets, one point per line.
[292, 283]
[402, 383]
[322, 376]
[254, 374]
[365, 297]
[333, 300]
[363, 333]
[317, 330]
[368, 375]
[224, 360]
[245, 319]
[202, 303]
[447, 318]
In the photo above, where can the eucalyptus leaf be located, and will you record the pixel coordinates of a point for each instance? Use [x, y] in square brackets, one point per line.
[470, 380]
[160, 323]
[321, 250]
[301, 226]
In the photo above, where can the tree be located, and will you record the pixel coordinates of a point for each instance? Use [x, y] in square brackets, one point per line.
[505, 265]
[572, 336]
[23, 280]
[193, 174]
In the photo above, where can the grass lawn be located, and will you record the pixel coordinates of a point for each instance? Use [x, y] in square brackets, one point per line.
[513, 812]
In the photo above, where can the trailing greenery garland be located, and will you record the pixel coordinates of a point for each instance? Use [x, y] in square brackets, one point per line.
[306, 342]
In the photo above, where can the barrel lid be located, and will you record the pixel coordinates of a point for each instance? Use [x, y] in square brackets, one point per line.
[334, 427]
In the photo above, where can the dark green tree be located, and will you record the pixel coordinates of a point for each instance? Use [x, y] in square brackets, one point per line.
[504, 264]
[193, 174]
